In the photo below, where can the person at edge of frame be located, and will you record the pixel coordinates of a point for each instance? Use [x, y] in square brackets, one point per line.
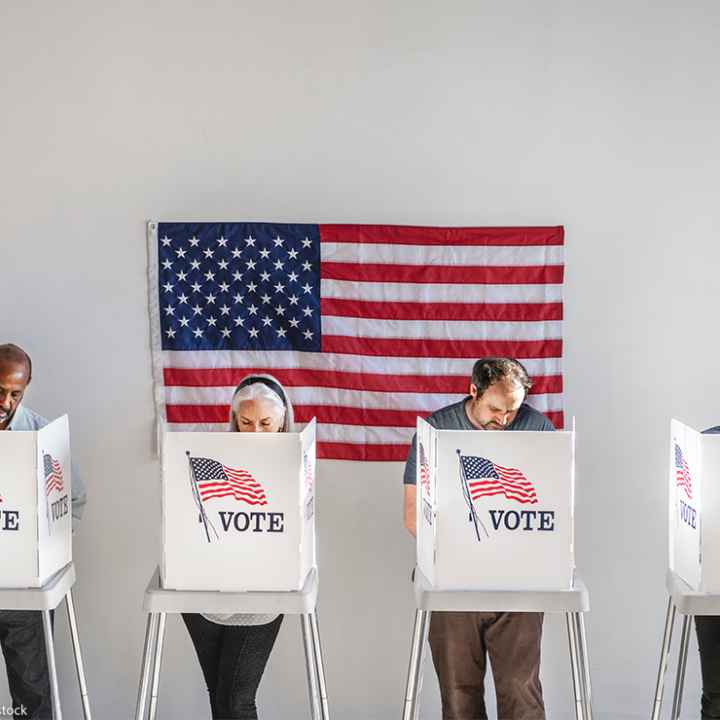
[21, 631]
[460, 642]
[233, 649]
[707, 628]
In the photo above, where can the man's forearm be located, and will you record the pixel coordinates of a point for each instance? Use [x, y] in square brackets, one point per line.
[409, 512]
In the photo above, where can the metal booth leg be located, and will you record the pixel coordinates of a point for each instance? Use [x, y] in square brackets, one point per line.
[72, 621]
[574, 665]
[310, 668]
[150, 635]
[420, 634]
[157, 662]
[584, 664]
[319, 666]
[52, 667]
[664, 655]
[682, 662]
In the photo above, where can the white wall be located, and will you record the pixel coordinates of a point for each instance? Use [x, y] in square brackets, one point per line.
[599, 116]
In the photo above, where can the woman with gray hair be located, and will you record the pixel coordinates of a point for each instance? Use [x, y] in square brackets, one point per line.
[233, 650]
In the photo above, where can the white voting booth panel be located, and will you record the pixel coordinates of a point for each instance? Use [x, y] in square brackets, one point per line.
[238, 510]
[694, 507]
[35, 504]
[495, 509]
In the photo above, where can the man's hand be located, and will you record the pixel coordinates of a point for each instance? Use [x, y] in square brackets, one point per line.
[410, 516]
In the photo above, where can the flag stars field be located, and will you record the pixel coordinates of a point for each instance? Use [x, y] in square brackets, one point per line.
[208, 268]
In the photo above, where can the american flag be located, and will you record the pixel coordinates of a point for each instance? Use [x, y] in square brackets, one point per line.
[484, 478]
[215, 480]
[424, 470]
[367, 326]
[53, 474]
[683, 478]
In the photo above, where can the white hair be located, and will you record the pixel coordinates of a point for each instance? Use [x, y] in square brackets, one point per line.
[259, 390]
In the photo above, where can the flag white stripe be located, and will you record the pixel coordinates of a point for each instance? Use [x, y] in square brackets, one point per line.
[447, 255]
[441, 329]
[439, 292]
[427, 402]
[342, 363]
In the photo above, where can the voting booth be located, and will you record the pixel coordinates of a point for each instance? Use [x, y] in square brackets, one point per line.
[238, 510]
[694, 507]
[495, 509]
[35, 504]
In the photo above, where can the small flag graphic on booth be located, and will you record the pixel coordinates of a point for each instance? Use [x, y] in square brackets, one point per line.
[53, 474]
[215, 480]
[488, 478]
[481, 477]
[424, 472]
[211, 479]
[683, 478]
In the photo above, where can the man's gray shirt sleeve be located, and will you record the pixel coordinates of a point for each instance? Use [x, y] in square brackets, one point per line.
[410, 476]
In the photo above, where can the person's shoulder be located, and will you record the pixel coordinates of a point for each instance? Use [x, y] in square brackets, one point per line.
[712, 431]
[27, 419]
[528, 418]
[450, 417]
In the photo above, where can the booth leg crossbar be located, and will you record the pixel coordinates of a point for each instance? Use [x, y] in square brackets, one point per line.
[152, 661]
[579, 664]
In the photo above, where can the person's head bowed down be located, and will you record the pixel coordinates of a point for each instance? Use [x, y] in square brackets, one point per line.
[260, 404]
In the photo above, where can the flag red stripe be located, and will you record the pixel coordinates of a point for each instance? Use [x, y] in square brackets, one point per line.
[491, 312]
[324, 413]
[400, 347]
[230, 377]
[526, 489]
[444, 274]
[478, 492]
[352, 451]
[335, 414]
[230, 493]
[240, 475]
[221, 485]
[492, 483]
[508, 495]
[510, 474]
[416, 235]
[358, 416]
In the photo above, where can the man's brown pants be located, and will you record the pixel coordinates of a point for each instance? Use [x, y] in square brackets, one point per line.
[460, 643]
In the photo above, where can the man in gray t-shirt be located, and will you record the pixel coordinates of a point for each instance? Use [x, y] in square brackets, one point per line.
[460, 641]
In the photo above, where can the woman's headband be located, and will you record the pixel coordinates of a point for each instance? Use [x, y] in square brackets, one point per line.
[268, 382]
